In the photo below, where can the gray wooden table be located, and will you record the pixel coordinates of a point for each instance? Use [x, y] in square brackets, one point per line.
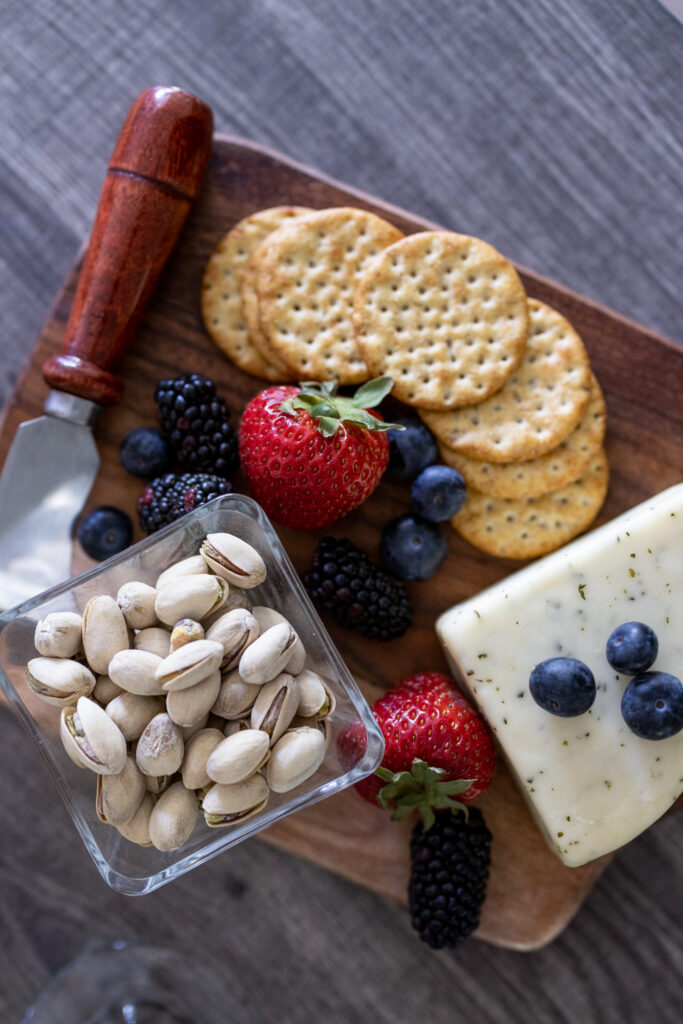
[553, 131]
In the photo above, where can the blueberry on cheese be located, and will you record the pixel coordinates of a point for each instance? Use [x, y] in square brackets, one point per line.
[652, 705]
[563, 686]
[632, 648]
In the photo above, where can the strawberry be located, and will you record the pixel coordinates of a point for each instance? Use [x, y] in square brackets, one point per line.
[311, 455]
[436, 746]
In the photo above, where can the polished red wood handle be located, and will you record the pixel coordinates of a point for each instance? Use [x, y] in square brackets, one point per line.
[155, 172]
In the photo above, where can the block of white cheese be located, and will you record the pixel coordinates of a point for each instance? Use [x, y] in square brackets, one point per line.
[592, 784]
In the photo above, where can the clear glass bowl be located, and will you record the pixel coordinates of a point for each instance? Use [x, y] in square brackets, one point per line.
[133, 869]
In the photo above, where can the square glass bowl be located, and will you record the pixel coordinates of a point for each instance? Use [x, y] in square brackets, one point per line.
[134, 869]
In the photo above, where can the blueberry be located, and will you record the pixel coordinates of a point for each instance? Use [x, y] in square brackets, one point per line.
[562, 686]
[411, 548]
[438, 493]
[652, 705]
[632, 648]
[144, 453]
[104, 532]
[410, 450]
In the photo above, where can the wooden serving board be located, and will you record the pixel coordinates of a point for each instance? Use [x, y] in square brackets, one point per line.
[531, 894]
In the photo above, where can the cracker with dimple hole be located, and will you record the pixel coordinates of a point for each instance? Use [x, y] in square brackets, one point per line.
[529, 527]
[536, 408]
[546, 473]
[306, 273]
[221, 287]
[445, 315]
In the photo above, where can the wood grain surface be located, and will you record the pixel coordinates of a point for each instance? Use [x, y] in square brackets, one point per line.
[551, 131]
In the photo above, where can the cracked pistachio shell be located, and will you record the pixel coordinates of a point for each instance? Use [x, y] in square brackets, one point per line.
[173, 819]
[316, 700]
[135, 672]
[268, 655]
[59, 635]
[228, 805]
[105, 690]
[190, 597]
[275, 706]
[235, 697]
[105, 632]
[58, 681]
[136, 601]
[234, 631]
[239, 756]
[197, 752]
[185, 632]
[192, 705]
[189, 730]
[233, 559]
[294, 758]
[119, 796]
[192, 566]
[91, 739]
[137, 829]
[157, 783]
[155, 640]
[132, 712]
[267, 617]
[160, 747]
[189, 665]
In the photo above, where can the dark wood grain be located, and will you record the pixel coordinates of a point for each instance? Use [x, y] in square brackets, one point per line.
[532, 895]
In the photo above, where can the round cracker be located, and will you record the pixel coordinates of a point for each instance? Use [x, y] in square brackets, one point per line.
[445, 315]
[536, 408]
[548, 472]
[306, 273]
[529, 527]
[221, 290]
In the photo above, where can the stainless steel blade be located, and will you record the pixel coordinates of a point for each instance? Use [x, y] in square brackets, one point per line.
[47, 475]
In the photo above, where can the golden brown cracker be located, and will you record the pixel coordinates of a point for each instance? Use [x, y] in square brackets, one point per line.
[445, 315]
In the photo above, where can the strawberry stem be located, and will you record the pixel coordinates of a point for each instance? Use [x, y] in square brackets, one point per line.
[423, 788]
[329, 410]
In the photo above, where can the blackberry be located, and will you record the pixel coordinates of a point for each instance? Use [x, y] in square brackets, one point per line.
[342, 580]
[450, 868]
[171, 496]
[196, 424]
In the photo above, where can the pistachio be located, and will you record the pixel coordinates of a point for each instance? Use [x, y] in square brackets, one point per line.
[228, 805]
[234, 560]
[267, 617]
[132, 712]
[189, 706]
[105, 632]
[136, 601]
[321, 724]
[234, 726]
[135, 672]
[235, 631]
[157, 783]
[197, 752]
[119, 796]
[59, 681]
[137, 829]
[59, 635]
[105, 690]
[235, 697]
[189, 665]
[238, 756]
[268, 655]
[91, 739]
[316, 700]
[294, 758]
[155, 640]
[275, 706]
[160, 747]
[192, 566]
[190, 597]
[189, 730]
[173, 819]
[185, 632]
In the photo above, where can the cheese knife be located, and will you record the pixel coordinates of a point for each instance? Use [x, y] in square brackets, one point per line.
[154, 174]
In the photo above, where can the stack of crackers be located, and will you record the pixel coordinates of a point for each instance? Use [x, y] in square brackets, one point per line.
[502, 380]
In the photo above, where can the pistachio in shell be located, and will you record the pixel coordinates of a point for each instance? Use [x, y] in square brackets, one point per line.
[230, 805]
[235, 631]
[157, 783]
[135, 672]
[267, 617]
[190, 597]
[294, 758]
[119, 796]
[189, 665]
[191, 705]
[155, 640]
[91, 739]
[105, 632]
[189, 730]
[197, 752]
[173, 819]
[136, 600]
[234, 559]
[160, 747]
[185, 632]
[239, 756]
[105, 690]
[268, 655]
[235, 697]
[132, 712]
[192, 566]
[59, 681]
[59, 635]
[137, 829]
[316, 699]
[275, 706]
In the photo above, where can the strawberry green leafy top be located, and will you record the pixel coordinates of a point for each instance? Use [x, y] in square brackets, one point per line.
[329, 410]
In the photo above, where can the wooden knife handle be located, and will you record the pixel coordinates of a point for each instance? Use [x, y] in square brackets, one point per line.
[155, 172]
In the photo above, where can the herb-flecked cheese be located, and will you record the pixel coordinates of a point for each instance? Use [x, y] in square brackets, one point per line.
[591, 783]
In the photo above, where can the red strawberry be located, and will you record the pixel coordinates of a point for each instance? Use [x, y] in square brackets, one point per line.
[310, 455]
[433, 737]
